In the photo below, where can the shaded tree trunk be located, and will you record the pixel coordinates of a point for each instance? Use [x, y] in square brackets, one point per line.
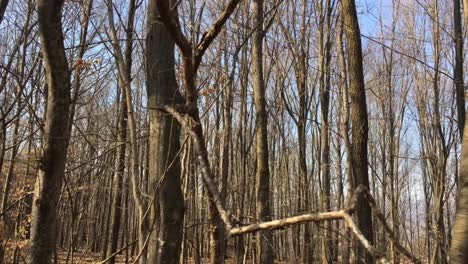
[164, 144]
[459, 243]
[458, 70]
[56, 138]
[459, 248]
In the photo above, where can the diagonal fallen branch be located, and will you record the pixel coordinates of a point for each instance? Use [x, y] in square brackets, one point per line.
[189, 125]
[179, 113]
[388, 229]
[345, 215]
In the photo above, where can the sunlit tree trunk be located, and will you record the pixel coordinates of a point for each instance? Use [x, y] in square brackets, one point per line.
[264, 239]
[360, 127]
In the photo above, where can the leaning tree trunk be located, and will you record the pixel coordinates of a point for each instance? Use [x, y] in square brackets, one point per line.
[164, 144]
[265, 253]
[56, 138]
[360, 127]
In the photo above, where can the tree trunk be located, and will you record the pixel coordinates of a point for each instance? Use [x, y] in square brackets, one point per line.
[264, 239]
[344, 129]
[458, 70]
[459, 243]
[118, 180]
[459, 248]
[56, 138]
[164, 144]
[324, 90]
[359, 128]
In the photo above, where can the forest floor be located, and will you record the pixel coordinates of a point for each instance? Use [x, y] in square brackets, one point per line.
[79, 257]
[62, 256]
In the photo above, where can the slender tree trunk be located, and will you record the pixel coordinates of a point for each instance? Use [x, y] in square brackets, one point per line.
[56, 138]
[344, 101]
[359, 128]
[264, 239]
[124, 68]
[458, 71]
[13, 152]
[324, 90]
[116, 210]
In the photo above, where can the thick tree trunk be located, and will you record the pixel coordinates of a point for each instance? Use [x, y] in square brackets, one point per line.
[459, 248]
[164, 144]
[359, 128]
[56, 138]
[459, 243]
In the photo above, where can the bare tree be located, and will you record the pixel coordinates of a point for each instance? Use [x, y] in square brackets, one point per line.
[359, 128]
[264, 239]
[52, 162]
[458, 70]
[459, 243]
[164, 145]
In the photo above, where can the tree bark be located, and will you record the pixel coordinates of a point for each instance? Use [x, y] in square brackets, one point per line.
[264, 238]
[324, 90]
[164, 143]
[459, 243]
[459, 248]
[359, 128]
[458, 70]
[56, 138]
[116, 210]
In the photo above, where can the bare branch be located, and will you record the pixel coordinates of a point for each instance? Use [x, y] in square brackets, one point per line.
[170, 21]
[211, 34]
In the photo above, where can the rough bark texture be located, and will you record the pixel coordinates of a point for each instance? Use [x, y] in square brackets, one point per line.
[56, 138]
[344, 128]
[264, 238]
[164, 144]
[359, 129]
[324, 90]
[459, 243]
[459, 249]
